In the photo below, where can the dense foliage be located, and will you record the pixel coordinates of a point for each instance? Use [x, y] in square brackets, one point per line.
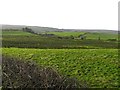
[98, 67]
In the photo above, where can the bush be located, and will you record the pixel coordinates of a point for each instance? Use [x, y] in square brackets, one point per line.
[26, 74]
[112, 40]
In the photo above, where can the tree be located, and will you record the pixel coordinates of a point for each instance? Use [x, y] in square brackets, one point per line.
[26, 29]
[99, 38]
[72, 37]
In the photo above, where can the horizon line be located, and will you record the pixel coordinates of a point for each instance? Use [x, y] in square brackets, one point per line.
[60, 28]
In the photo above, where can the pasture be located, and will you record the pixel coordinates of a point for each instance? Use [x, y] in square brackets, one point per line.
[62, 34]
[17, 33]
[94, 36]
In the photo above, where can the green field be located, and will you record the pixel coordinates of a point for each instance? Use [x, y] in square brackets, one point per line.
[103, 36]
[97, 67]
[28, 40]
[16, 33]
[75, 34]
[91, 60]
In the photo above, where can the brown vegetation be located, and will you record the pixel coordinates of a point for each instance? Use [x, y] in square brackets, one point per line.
[26, 74]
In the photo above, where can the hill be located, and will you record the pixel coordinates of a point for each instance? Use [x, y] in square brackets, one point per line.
[39, 29]
[34, 28]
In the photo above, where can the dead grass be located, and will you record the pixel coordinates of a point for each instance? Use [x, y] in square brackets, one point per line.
[21, 74]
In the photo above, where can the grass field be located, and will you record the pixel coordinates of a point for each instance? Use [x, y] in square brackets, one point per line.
[62, 34]
[17, 33]
[28, 40]
[103, 36]
[98, 67]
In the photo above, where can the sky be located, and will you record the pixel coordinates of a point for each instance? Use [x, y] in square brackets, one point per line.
[67, 14]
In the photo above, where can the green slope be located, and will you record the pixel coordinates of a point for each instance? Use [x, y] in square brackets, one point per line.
[17, 33]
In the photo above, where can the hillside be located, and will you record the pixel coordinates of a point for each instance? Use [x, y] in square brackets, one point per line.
[34, 28]
[39, 29]
[28, 40]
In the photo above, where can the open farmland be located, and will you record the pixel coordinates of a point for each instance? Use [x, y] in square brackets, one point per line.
[16, 33]
[94, 36]
[92, 60]
[75, 34]
[103, 36]
[22, 39]
[97, 67]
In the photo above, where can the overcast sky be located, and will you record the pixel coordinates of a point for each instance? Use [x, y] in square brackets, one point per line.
[77, 14]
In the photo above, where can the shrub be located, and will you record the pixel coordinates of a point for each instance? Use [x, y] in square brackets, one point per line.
[112, 40]
[27, 74]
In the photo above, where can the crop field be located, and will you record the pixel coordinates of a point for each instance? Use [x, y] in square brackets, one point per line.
[92, 61]
[97, 67]
[103, 36]
[28, 40]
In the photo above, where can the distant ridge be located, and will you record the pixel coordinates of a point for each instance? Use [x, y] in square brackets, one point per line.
[34, 28]
[39, 29]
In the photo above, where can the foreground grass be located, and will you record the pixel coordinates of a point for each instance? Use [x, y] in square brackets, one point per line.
[98, 67]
